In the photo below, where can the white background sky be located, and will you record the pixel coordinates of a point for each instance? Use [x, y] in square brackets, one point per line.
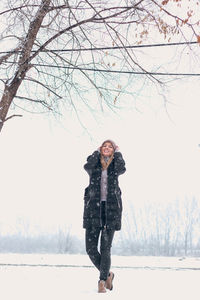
[41, 161]
[42, 177]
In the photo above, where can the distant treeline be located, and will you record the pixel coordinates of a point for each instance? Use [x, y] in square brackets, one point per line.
[60, 242]
[158, 230]
[170, 229]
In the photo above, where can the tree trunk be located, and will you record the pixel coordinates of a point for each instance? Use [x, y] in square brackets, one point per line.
[12, 87]
[6, 100]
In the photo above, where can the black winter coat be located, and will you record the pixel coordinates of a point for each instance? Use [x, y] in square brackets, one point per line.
[92, 196]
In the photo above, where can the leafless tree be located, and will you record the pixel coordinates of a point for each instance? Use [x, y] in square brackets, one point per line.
[189, 219]
[65, 240]
[168, 230]
[57, 52]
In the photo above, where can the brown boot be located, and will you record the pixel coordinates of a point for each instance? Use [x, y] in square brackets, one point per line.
[101, 286]
[109, 281]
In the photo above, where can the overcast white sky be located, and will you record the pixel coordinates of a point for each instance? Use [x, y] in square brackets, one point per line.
[42, 177]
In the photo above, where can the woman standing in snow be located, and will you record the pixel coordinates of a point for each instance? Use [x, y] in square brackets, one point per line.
[103, 208]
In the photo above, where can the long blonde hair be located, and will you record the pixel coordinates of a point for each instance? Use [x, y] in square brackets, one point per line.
[105, 163]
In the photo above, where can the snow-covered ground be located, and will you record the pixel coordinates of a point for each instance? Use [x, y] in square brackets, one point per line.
[61, 277]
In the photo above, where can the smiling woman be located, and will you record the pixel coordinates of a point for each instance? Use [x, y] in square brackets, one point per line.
[103, 208]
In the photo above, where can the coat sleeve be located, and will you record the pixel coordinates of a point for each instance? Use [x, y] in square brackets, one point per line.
[119, 163]
[92, 162]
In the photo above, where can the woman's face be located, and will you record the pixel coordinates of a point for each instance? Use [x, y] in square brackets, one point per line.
[107, 149]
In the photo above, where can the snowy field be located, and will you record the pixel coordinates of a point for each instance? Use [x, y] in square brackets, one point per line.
[61, 277]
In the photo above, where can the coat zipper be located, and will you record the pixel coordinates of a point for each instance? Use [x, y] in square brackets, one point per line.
[105, 226]
[118, 203]
[101, 225]
[88, 203]
[100, 214]
[117, 200]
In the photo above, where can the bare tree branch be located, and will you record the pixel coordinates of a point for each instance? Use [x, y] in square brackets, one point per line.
[72, 75]
[12, 116]
[17, 8]
[8, 55]
[34, 101]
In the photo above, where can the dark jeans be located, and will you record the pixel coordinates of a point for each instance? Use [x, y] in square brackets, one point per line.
[102, 260]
